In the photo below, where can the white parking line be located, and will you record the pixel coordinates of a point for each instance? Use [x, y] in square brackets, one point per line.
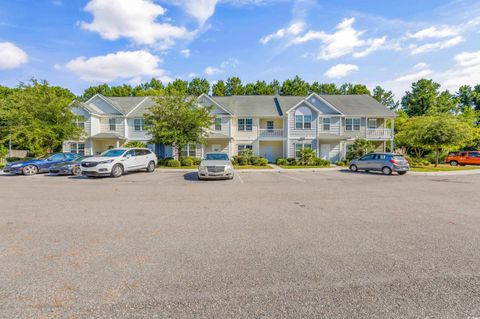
[294, 178]
[239, 177]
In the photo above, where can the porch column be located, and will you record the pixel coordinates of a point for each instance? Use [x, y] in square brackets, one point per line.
[392, 142]
[117, 143]
[384, 146]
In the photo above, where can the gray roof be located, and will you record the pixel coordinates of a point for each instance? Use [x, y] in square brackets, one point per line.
[108, 135]
[248, 105]
[143, 108]
[126, 104]
[363, 105]
[287, 102]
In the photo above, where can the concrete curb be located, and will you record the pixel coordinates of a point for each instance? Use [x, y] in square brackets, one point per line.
[450, 173]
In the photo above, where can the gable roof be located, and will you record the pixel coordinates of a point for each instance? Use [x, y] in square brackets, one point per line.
[358, 105]
[249, 105]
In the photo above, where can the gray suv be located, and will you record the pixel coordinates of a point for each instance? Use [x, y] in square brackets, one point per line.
[387, 163]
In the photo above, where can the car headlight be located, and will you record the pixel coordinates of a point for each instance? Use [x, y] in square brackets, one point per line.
[106, 162]
[16, 165]
[228, 167]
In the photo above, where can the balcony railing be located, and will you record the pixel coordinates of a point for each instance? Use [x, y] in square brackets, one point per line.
[379, 133]
[277, 132]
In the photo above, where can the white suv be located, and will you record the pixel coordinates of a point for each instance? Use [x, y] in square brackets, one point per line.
[117, 161]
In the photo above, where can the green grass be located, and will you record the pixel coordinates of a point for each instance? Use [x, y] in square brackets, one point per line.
[443, 168]
[180, 167]
[303, 166]
[252, 167]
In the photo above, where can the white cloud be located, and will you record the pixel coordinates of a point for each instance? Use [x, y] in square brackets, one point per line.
[414, 49]
[434, 32]
[465, 71]
[210, 70]
[192, 75]
[185, 52]
[373, 45]
[126, 65]
[293, 29]
[420, 66]
[11, 56]
[340, 71]
[134, 20]
[412, 77]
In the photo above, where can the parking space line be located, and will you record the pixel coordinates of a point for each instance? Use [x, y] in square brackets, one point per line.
[294, 178]
[239, 177]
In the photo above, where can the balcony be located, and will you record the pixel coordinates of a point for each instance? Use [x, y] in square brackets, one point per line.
[380, 134]
[277, 132]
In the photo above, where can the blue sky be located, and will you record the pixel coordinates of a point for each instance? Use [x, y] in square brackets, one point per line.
[78, 43]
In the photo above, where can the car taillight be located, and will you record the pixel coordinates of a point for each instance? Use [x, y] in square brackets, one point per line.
[394, 162]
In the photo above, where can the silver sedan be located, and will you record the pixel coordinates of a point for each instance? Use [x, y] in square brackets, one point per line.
[215, 166]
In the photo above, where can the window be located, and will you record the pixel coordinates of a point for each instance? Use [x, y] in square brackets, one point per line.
[77, 148]
[218, 124]
[245, 124]
[112, 124]
[56, 157]
[81, 122]
[367, 157]
[189, 150]
[243, 147]
[352, 124]
[138, 124]
[299, 147]
[303, 118]
[474, 154]
[270, 125]
[380, 157]
[326, 124]
[372, 124]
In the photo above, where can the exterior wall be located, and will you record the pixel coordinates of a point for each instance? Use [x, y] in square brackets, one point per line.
[119, 125]
[247, 135]
[135, 135]
[277, 122]
[354, 134]
[321, 106]
[334, 125]
[225, 125]
[307, 133]
[335, 151]
[224, 145]
[291, 145]
[271, 150]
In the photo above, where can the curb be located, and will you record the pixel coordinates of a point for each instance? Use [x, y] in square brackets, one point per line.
[448, 173]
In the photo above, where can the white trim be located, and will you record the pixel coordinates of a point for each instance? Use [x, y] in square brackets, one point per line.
[326, 102]
[215, 102]
[136, 106]
[306, 102]
[107, 101]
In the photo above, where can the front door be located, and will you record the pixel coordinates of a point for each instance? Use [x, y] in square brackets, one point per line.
[325, 151]
[216, 148]
[268, 153]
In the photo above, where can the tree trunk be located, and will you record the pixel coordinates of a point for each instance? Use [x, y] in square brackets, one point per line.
[179, 152]
[437, 155]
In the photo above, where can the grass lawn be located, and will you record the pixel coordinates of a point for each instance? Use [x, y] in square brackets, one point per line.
[303, 166]
[443, 168]
[252, 167]
[180, 167]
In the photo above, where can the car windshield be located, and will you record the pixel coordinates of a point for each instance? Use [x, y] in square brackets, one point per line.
[216, 157]
[113, 153]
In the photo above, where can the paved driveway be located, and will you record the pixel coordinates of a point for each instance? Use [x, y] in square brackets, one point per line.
[265, 245]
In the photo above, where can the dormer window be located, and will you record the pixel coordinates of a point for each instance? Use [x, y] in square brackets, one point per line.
[303, 118]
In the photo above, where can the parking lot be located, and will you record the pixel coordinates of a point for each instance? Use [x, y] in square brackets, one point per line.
[327, 244]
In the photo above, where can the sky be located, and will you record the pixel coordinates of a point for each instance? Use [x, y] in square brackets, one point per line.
[79, 43]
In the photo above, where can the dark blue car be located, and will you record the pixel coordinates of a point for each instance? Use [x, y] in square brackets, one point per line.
[39, 165]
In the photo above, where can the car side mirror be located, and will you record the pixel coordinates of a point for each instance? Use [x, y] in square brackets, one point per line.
[49, 159]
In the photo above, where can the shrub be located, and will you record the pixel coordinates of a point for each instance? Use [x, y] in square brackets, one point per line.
[291, 161]
[186, 161]
[254, 160]
[240, 160]
[307, 156]
[196, 161]
[417, 162]
[342, 163]
[3, 151]
[359, 148]
[262, 161]
[172, 163]
[281, 161]
[135, 144]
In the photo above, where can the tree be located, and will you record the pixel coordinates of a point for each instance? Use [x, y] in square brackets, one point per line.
[262, 88]
[37, 117]
[234, 86]
[135, 144]
[250, 89]
[324, 88]
[295, 87]
[422, 98]
[103, 89]
[198, 86]
[275, 87]
[385, 97]
[176, 120]
[219, 88]
[359, 148]
[476, 97]
[3, 151]
[177, 87]
[354, 89]
[439, 132]
[465, 96]
[152, 88]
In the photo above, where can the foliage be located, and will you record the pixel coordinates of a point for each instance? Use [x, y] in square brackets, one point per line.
[135, 144]
[219, 88]
[307, 156]
[172, 163]
[324, 88]
[185, 161]
[425, 99]
[37, 117]
[3, 151]
[354, 89]
[359, 148]
[198, 86]
[247, 157]
[294, 87]
[343, 163]
[281, 161]
[194, 161]
[176, 120]
[177, 87]
[385, 97]
[234, 86]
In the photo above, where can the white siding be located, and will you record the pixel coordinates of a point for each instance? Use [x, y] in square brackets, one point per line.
[321, 106]
[136, 135]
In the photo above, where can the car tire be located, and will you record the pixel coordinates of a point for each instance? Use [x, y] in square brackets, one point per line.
[354, 168]
[402, 173]
[453, 163]
[117, 171]
[30, 170]
[76, 171]
[387, 170]
[151, 167]
[231, 177]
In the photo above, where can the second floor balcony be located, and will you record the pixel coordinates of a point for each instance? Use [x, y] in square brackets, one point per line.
[274, 132]
[382, 133]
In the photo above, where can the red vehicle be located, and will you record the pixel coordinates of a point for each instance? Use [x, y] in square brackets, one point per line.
[463, 158]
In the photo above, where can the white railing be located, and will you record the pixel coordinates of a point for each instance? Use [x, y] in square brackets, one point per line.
[379, 133]
[277, 132]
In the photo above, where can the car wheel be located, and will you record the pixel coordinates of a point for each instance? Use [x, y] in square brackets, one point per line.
[402, 173]
[151, 167]
[30, 170]
[76, 171]
[353, 168]
[117, 170]
[387, 171]
[454, 163]
[231, 177]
